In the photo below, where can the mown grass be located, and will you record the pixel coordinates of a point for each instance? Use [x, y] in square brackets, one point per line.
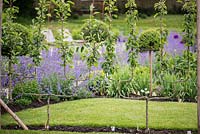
[42, 132]
[112, 112]
[173, 23]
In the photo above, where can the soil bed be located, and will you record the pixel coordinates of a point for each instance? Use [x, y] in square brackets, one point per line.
[101, 129]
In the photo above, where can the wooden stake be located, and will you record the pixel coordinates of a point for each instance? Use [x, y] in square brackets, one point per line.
[1, 8]
[48, 114]
[198, 64]
[17, 119]
[147, 115]
[150, 62]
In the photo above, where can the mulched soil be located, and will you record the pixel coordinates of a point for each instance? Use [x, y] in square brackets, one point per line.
[101, 129]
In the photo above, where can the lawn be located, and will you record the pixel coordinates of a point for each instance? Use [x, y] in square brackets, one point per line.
[112, 112]
[173, 23]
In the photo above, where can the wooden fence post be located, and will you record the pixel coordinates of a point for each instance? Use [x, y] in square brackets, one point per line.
[48, 113]
[17, 119]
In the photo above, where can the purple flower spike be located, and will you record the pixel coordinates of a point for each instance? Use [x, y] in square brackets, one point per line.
[176, 36]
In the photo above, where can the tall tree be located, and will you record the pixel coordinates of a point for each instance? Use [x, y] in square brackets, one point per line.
[198, 60]
[1, 7]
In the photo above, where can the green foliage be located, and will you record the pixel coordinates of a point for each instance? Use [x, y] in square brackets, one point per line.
[23, 102]
[76, 35]
[53, 84]
[140, 81]
[38, 37]
[15, 37]
[132, 43]
[109, 56]
[63, 11]
[117, 88]
[161, 11]
[149, 40]
[98, 85]
[189, 22]
[176, 81]
[96, 34]
[20, 90]
[179, 89]
[11, 11]
[16, 40]
[83, 94]
[110, 9]
[95, 31]
[120, 84]
[161, 8]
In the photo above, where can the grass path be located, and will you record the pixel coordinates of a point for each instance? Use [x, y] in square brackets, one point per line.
[173, 23]
[113, 112]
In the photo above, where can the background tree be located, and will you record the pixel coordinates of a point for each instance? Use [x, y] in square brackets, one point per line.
[109, 65]
[38, 37]
[63, 11]
[16, 40]
[149, 40]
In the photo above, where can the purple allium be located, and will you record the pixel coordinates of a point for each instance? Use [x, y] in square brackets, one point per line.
[176, 36]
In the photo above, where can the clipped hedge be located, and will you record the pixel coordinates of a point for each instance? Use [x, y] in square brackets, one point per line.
[16, 39]
[149, 40]
[98, 29]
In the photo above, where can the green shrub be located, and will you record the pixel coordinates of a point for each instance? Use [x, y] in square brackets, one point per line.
[140, 80]
[23, 102]
[83, 94]
[53, 84]
[139, 84]
[98, 84]
[76, 35]
[31, 86]
[116, 88]
[16, 39]
[95, 30]
[74, 16]
[149, 40]
[143, 15]
[179, 88]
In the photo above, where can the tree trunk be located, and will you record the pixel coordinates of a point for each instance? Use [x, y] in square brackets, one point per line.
[147, 114]
[1, 8]
[198, 63]
[150, 63]
[17, 119]
[10, 79]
